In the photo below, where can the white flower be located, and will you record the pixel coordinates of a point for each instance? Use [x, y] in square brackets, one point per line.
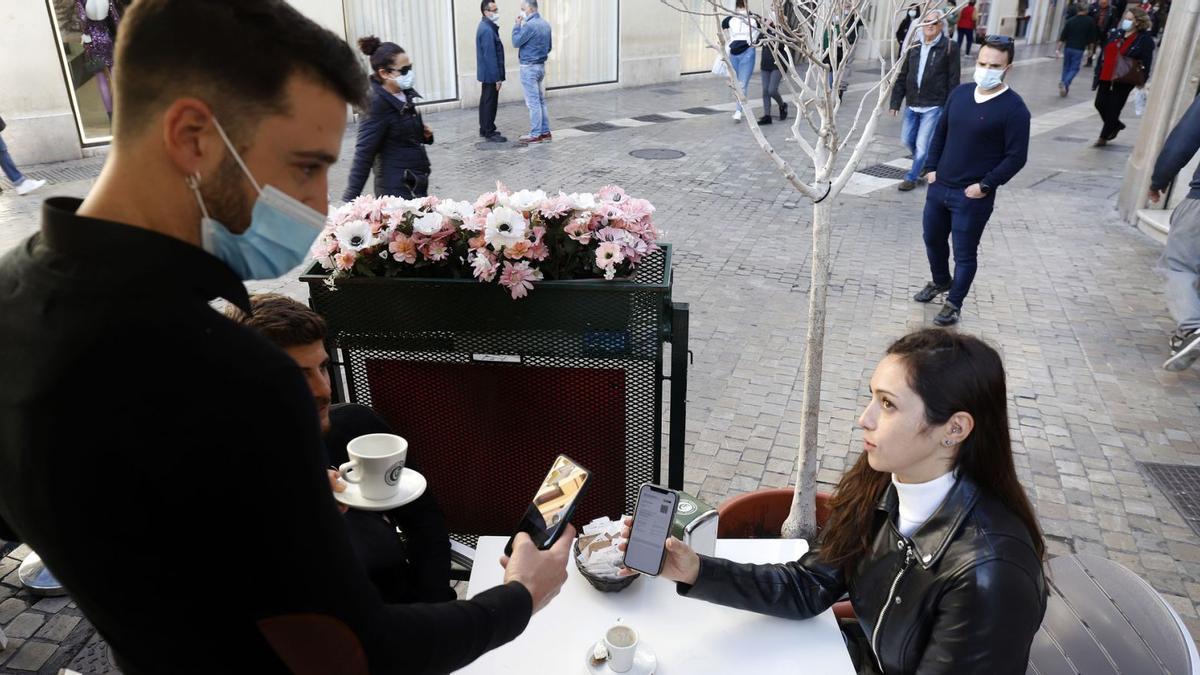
[505, 227]
[355, 236]
[526, 200]
[428, 224]
[583, 201]
[460, 211]
[398, 206]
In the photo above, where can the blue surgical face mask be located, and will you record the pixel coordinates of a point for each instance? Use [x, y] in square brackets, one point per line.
[280, 234]
[1126, 25]
[404, 81]
[494, 17]
[988, 78]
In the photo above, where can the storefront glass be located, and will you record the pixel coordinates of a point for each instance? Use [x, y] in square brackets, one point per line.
[585, 34]
[86, 31]
[424, 28]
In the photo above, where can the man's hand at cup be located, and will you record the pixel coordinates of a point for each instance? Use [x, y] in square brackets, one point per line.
[682, 564]
[542, 573]
[335, 482]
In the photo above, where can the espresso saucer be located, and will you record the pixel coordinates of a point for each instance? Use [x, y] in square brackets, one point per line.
[644, 663]
[412, 485]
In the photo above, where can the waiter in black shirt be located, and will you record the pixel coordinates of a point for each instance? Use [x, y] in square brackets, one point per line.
[151, 447]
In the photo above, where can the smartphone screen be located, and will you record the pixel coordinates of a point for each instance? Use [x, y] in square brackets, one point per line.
[554, 503]
[651, 525]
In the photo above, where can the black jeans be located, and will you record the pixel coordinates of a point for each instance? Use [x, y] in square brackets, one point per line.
[1110, 99]
[966, 35]
[489, 97]
[770, 90]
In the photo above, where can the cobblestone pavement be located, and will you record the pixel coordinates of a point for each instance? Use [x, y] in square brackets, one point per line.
[1066, 291]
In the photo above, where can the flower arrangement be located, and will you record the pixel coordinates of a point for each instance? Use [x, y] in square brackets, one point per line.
[508, 238]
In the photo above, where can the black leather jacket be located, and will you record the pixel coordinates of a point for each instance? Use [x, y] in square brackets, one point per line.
[391, 142]
[964, 594]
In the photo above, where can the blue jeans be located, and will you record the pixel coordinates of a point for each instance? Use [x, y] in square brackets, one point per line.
[951, 215]
[1072, 58]
[8, 165]
[532, 75]
[743, 66]
[917, 132]
[1181, 257]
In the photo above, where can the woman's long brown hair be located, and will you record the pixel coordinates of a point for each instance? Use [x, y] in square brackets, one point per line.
[951, 372]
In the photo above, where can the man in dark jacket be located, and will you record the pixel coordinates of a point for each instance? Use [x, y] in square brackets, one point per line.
[1105, 17]
[931, 70]
[1181, 256]
[414, 567]
[209, 445]
[489, 69]
[1078, 34]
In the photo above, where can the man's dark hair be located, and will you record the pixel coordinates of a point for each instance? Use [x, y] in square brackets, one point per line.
[999, 43]
[381, 53]
[236, 55]
[282, 320]
[484, 5]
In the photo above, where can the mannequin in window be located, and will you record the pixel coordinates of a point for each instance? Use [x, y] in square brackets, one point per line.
[99, 19]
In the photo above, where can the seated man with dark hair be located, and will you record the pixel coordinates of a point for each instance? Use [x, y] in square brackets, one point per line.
[409, 565]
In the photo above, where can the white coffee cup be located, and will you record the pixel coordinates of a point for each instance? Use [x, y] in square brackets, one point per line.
[376, 463]
[621, 641]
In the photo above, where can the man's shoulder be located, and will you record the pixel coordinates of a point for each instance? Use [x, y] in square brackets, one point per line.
[1017, 103]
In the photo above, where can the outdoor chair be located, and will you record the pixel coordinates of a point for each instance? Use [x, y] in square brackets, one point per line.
[760, 515]
[1103, 619]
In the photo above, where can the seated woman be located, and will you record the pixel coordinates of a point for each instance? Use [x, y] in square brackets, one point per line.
[930, 532]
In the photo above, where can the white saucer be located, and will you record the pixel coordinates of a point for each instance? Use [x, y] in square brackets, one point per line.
[644, 663]
[412, 485]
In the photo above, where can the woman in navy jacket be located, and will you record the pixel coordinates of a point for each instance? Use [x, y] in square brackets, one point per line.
[391, 136]
[1131, 38]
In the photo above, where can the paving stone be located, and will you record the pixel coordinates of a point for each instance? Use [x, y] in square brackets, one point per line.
[9, 609]
[52, 605]
[31, 656]
[25, 625]
[58, 628]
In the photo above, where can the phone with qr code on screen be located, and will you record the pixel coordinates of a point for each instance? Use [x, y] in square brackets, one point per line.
[652, 517]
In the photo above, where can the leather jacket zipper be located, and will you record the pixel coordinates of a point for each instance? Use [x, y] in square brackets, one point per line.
[909, 558]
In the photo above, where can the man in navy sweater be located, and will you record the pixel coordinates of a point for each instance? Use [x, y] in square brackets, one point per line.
[981, 142]
[1182, 254]
[489, 69]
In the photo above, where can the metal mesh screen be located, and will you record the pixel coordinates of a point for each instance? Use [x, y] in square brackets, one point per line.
[488, 390]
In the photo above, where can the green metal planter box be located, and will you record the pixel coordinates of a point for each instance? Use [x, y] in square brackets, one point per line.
[488, 390]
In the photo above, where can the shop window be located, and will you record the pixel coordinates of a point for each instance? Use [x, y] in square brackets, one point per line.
[586, 35]
[424, 28]
[86, 31]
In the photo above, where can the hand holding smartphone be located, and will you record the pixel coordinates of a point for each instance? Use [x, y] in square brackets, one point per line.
[652, 517]
[554, 504]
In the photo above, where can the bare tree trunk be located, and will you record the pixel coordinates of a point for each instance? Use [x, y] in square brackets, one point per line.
[801, 523]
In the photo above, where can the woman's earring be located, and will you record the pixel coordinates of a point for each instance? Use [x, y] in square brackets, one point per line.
[947, 442]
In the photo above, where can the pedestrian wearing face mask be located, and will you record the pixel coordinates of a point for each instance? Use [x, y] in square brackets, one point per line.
[1129, 42]
[905, 24]
[489, 69]
[391, 136]
[981, 142]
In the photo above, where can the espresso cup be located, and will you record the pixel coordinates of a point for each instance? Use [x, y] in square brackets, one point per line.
[376, 462]
[621, 642]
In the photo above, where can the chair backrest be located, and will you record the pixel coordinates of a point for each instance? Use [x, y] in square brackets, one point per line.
[1102, 618]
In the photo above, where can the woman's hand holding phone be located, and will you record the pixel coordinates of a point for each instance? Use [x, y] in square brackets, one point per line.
[682, 564]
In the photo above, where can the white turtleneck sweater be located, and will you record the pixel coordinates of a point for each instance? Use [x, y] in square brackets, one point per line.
[918, 501]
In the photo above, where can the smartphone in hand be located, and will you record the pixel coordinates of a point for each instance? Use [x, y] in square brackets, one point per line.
[554, 504]
[652, 518]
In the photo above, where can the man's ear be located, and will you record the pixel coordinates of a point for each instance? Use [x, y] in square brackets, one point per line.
[190, 138]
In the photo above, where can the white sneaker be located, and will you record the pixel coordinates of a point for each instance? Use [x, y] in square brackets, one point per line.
[28, 186]
[737, 116]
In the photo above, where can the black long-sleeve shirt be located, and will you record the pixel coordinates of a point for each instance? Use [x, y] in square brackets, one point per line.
[151, 448]
[416, 569]
[985, 143]
[1181, 145]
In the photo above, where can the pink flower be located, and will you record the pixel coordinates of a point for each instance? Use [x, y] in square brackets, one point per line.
[430, 202]
[502, 188]
[612, 194]
[538, 252]
[484, 264]
[519, 278]
[403, 249]
[518, 250]
[611, 213]
[637, 209]
[609, 255]
[435, 250]
[556, 207]
[324, 246]
[579, 231]
[476, 224]
[485, 201]
[476, 243]
[345, 260]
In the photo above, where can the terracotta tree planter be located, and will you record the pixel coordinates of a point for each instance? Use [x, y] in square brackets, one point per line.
[760, 515]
